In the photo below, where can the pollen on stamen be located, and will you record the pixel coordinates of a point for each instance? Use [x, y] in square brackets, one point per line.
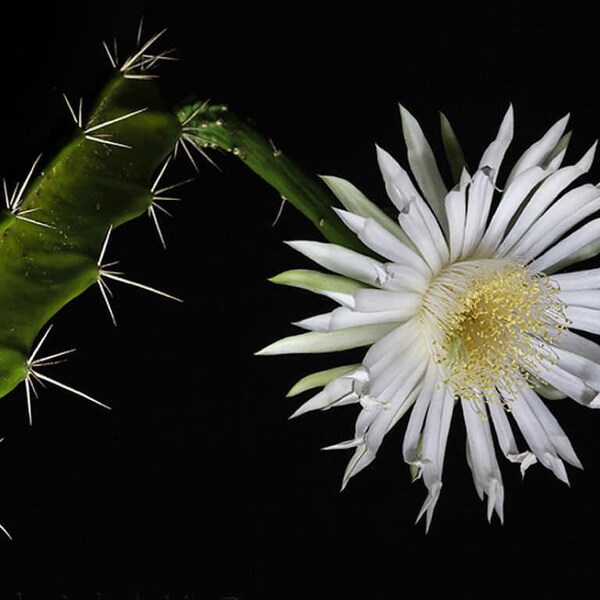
[491, 323]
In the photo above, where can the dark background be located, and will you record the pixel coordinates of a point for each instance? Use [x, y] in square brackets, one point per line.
[196, 484]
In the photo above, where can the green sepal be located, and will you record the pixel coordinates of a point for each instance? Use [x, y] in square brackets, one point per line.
[454, 153]
[317, 282]
[353, 200]
[319, 379]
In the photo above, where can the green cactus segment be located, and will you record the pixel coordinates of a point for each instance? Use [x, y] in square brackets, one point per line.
[208, 126]
[91, 185]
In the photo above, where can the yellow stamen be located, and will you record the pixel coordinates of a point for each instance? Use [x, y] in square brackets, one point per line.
[489, 322]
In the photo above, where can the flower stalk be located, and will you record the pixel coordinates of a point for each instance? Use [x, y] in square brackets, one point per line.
[207, 126]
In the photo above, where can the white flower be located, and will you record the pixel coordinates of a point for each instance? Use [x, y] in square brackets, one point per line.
[461, 310]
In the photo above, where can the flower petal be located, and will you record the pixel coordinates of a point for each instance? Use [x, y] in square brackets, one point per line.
[454, 152]
[578, 280]
[344, 318]
[380, 240]
[534, 433]
[456, 210]
[584, 319]
[369, 300]
[353, 200]
[544, 196]
[486, 472]
[317, 342]
[564, 214]
[587, 298]
[513, 197]
[494, 153]
[539, 152]
[586, 236]
[479, 203]
[343, 261]
[506, 438]
[435, 437]
[424, 166]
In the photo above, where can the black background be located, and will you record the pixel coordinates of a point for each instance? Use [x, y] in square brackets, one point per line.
[196, 484]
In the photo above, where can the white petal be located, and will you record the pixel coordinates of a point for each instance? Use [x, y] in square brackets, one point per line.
[584, 319]
[512, 199]
[317, 342]
[435, 437]
[387, 350]
[478, 208]
[543, 197]
[353, 200]
[571, 341]
[369, 300]
[486, 472]
[506, 438]
[456, 210]
[335, 390]
[587, 298]
[415, 216]
[534, 433]
[537, 153]
[423, 165]
[494, 153]
[398, 184]
[573, 243]
[406, 278]
[380, 240]
[374, 423]
[343, 261]
[410, 446]
[344, 318]
[578, 280]
[568, 384]
[565, 213]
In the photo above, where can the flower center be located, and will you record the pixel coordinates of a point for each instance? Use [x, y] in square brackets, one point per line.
[489, 320]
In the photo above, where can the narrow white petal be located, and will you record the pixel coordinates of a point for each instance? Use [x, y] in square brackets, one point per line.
[379, 420]
[479, 196]
[415, 216]
[369, 300]
[412, 437]
[578, 280]
[423, 165]
[343, 261]
[506, 438]
[565, 213]
[385, 351]
[537, 153]
[456, 210]
[486, 472]
[494, 153]
[335, 390]
[573, 342]
[513, 197]
[573, 243]
[568, 384]
[587, 298]
[584, 319]
[535, 435]
[343, 318]
[435, 437]
[380, 240]
[544, 196]
[317, 342]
